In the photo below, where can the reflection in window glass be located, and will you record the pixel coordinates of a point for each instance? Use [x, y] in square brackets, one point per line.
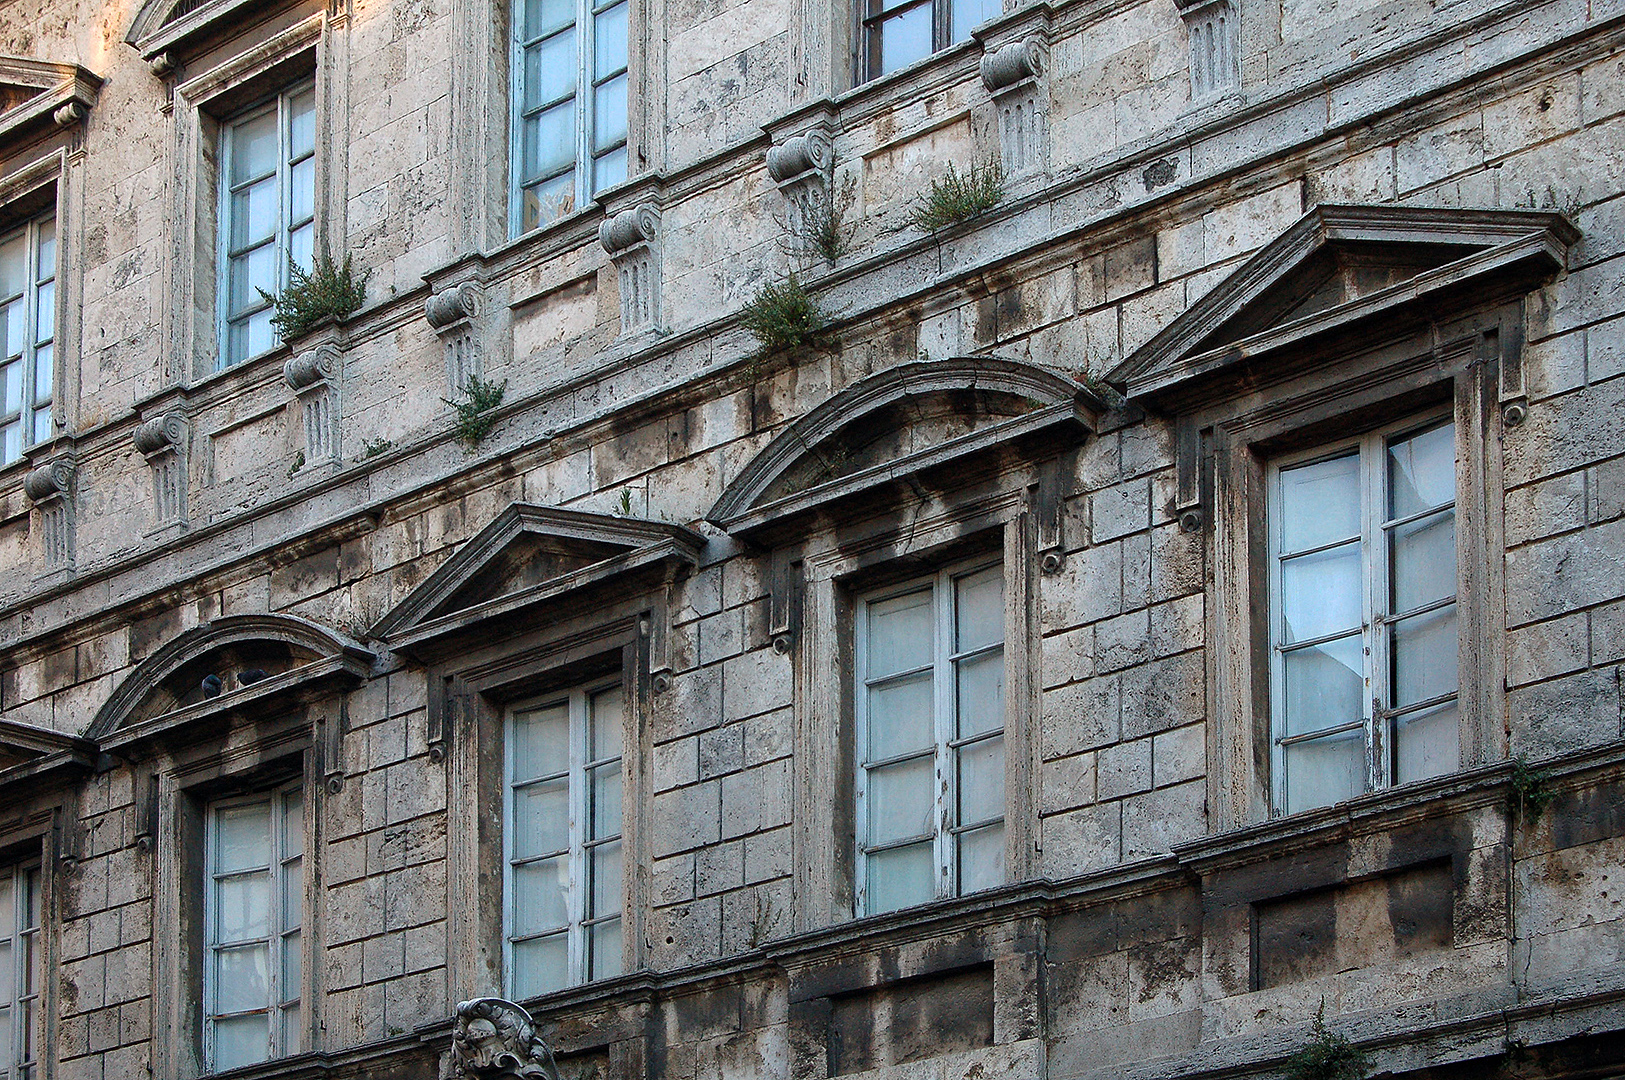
[899, 32]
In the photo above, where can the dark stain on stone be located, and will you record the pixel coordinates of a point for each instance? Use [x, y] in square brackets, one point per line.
[1159, 173]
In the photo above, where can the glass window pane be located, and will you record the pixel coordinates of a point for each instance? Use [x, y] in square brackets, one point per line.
[8, 910]
[899, 717]
[290, 967]
[609, 114]
[541, 745]
[981, 781]
[45, 309]
[979, 609]
[540, 894]
[43, 356]
[1325, 685]
[11, 442]
[11, 387]
[900, 633]
[609, 170]
[302, 190]
[301, 244]
[899, 878]
[1320, 594]
[1424, 561]
[541, 16]
[609, 43]
[550, 70]
[14, 325]
[981, 858]
[47, 249]
[254, 214]
[293, 823]
[606, 724]
[1422, 471]
[293, 894]
[293, 1032]
[1320, 503]
[42, 426]
[1424, 656]
[302, 124]
[242, 837]
[605, 945]
[8, 988]
[972, 13]
[541, 818]
[540, 966]
[242, 979]
[14, 265]
[253, 147]
[1324, 771]
[606, 879]
[905, 38]
[900, 803]
[243, 907]
[241, 1040]
[31, 897]
[980, 694]
[548, 202]
[606, 801]
[251, 274]
[250, 337]
[550, 140]
[5, 1032]
[1427, 744]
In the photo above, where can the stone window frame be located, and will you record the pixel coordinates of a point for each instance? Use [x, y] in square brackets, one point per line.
[38, 324]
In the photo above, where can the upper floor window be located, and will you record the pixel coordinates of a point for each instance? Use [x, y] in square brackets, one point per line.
[930, 739]
[568, 105]
[898, 32]
[20, 955]
[1363, 614]
[254, 907]
[267, 216]
[28, 330]
[563, 841]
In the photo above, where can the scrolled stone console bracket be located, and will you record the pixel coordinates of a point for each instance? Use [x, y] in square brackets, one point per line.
[162, 441]
[631, 238]
[803, 168]
[313, 376]
[496, 1040]
[453, 312]
[50, 488]
[1014, 75]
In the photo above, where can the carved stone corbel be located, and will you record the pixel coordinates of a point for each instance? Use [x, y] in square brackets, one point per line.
[1013, 74]
[632, 239]
[314, 376]
[451, 312]
[50, 488]
[162, 441]
[803, 167]
[496, 1040]
[1212, 26]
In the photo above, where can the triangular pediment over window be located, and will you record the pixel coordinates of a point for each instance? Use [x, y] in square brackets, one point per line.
[1347, 273]
[527, 557]
[35, 94]
[29, 752]
[183, 26]
[923, 424]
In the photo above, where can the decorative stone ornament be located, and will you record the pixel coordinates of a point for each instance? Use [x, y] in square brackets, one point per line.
[1013, 74]
[162, 441]
[50, 488]
[451, 312]
[632, 239]
[495, 1039]
[1212, 26]
[803, 167]
[313, 376]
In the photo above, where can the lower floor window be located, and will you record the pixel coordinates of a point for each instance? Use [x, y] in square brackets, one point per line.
[1363, 614]
[254, 913]
[562, 841]
[930, 739]
[20, 971]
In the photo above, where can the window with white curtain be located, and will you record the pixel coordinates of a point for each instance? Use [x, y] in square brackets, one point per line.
[930, 739]
[27, 335]
[20, 962]
[568, 109]
[267, 216]
[562, 841]
[898, 32]
[1363, 614]
[253, 918]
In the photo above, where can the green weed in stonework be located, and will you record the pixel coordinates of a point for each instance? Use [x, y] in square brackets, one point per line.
[785, 316]
[474, 420]
[1530, 793]
[375, 446]
[957, 196]
[1327, 1056]
[328, 291]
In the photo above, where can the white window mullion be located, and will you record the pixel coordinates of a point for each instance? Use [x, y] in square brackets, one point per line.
[1375, 612]
[946, 781]
[586, 29]
[578, 827]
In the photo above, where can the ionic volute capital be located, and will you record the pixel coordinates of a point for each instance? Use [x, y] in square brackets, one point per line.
[159, 434]
[453, 304]
[627, 229]
[50, 481]
[312, 366]
[1013, 62]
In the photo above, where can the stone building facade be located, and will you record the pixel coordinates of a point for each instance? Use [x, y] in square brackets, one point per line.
[1174, 599]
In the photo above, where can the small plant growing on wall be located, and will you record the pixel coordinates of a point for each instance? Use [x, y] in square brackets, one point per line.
[1530, 793]
[785, 316]
[1328, 1056]
[329, 290]
[957, 196]
[473, 409]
